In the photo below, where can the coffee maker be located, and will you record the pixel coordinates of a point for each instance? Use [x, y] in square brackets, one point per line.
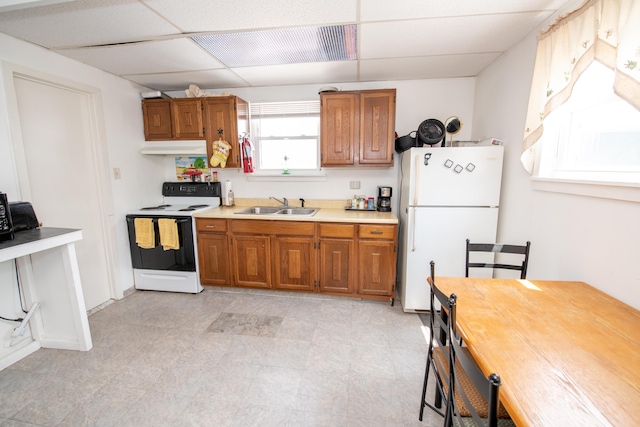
[384, 199]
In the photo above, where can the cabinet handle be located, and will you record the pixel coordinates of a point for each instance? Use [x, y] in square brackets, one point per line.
[376, 232]
[210, 226]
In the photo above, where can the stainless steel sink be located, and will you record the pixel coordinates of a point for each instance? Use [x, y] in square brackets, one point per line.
[297, 211]
[269, 210]
[259, 210]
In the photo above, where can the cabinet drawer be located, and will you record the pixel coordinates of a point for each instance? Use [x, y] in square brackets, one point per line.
[273, 227]
[292, 228]
[211, 225]
[386, 232]
[337, 230]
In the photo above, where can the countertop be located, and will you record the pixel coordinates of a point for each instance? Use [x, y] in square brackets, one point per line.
[330, 211]
[27, 242]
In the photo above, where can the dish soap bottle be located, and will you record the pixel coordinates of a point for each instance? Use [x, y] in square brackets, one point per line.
[230, 200]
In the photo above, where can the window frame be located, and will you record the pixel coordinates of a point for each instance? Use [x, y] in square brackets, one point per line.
[550, 174]
[281, 109]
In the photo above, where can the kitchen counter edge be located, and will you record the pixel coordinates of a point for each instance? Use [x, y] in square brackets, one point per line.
[323, 215]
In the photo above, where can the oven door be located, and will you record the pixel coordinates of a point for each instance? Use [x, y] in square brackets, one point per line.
[156, 258]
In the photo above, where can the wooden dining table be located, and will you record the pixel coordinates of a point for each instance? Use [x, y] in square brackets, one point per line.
[567, 353]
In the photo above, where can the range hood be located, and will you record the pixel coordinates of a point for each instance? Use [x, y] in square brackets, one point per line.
[175, 148]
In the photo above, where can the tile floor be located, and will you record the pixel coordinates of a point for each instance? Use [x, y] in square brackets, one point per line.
[228, 358]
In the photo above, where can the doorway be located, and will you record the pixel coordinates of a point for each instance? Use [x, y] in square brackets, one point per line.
[60, 171]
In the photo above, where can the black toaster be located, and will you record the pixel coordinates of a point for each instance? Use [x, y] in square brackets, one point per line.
[23, 216]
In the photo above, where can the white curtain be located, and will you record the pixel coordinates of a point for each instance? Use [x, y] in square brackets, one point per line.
[604, 30]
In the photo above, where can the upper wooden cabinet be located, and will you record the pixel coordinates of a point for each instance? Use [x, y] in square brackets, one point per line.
[158, 124]
[198, 118]
[339, 132]
[357, 127]
[187, 118]
[377, 127]
[231, 114]
[171, 119]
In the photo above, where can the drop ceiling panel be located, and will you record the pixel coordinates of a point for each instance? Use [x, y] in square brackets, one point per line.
[85, 23]
[385, 10]
[396, 40]
[210, 79]
[490, 33]
[295, 74]
[151, 57]
[225, 15]
[418, 68]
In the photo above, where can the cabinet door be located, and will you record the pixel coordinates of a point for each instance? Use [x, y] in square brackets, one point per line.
[187, 119]
[252, 261]
[377, 127]
[338, 128]
[377, 267]
[222, 113]
[295, 263]
[337, 265]
[157, 119]
[213, 258]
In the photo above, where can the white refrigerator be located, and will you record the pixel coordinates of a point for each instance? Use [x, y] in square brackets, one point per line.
[447, 195]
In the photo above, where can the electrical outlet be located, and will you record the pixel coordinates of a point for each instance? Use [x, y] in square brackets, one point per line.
[354, 185]
[116, 173]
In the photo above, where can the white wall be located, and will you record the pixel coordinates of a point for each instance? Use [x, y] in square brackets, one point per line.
[572, 237]
[416, 100]
[122, 133]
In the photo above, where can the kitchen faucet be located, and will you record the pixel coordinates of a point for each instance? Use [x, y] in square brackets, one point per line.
[284, 200]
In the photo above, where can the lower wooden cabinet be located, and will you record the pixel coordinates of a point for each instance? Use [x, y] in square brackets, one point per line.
[295, 263]
[376, 259]
[213, 252]
[252, 261]
[337, 266]
[376, 262]
[333, 258]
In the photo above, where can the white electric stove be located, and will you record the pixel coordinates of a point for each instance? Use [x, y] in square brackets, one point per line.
[173, 270]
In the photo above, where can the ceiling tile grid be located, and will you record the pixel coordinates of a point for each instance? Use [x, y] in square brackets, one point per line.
[149, 41]
[239, 15]
[150, 57]
[85, 23]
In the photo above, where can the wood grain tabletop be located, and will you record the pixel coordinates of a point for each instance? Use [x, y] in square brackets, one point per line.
[567, 353]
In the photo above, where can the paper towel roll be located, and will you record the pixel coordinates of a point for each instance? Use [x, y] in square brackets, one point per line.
[225, 192]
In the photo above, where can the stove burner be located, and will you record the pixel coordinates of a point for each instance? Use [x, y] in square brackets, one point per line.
[198, 206]
[154, 208]
[187, 209]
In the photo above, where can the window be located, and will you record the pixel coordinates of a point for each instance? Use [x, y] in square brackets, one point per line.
[594, 136]
[577, 133]
[286, 136]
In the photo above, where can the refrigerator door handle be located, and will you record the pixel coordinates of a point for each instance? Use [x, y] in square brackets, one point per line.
[416, 189]
[412, 231]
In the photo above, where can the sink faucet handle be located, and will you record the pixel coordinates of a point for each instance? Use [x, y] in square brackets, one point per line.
[286, 202]
[302, 202]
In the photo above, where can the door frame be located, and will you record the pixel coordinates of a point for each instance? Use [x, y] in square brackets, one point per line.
[97, 147]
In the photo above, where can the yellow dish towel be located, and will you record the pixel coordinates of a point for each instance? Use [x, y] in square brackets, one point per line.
[145, 237]
[168, 233]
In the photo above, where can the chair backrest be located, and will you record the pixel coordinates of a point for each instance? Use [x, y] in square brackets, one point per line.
[440, 330]
[468, 386]
[498, 248]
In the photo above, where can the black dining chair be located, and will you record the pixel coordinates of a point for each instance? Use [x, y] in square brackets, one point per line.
[473, 399]
[497, 248]
[438, 351]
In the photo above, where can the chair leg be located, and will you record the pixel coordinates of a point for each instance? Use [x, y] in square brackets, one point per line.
[423, 403]
[438, 401]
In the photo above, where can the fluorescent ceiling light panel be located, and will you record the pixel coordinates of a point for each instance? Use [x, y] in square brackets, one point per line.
[282, 46]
